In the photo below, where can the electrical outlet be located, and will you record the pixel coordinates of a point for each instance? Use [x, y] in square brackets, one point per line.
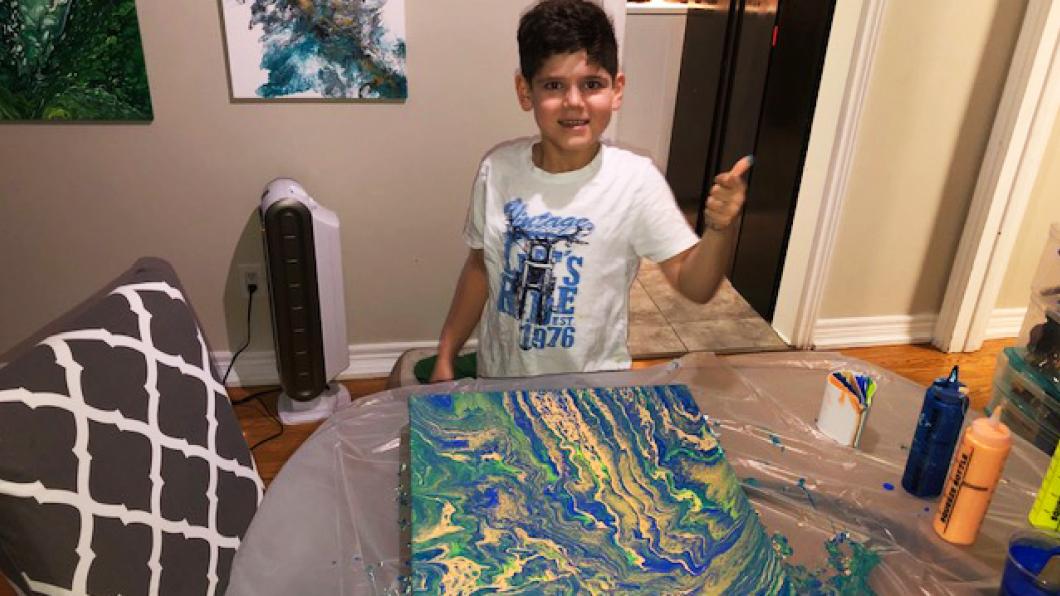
[251, 274]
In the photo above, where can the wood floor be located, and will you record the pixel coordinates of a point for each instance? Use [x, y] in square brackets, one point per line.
[919, 363]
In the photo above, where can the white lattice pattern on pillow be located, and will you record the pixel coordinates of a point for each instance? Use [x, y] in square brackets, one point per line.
[90, 509]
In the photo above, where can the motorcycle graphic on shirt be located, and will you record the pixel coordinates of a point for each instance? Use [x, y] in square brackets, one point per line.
[541, 274]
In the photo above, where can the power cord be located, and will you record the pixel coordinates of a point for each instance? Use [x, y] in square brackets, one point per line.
[251, 288]
[257, 396]
[272, 436]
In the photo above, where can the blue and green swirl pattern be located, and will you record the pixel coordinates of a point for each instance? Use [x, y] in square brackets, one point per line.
[605, 490]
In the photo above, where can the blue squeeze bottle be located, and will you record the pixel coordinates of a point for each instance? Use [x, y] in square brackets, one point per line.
[937, 431]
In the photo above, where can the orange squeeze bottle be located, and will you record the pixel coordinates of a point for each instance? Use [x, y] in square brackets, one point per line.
[973, 476]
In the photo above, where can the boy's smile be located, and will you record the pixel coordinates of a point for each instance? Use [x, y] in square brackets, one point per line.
[572, 100]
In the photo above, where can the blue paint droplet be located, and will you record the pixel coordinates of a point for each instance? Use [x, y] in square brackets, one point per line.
[926, 509]
[776, 441]
[888, 486]
[809, 497]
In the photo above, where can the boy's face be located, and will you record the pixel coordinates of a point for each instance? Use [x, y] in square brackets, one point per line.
[572, 100]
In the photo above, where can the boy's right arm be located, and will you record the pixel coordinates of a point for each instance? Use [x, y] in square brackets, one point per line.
[472, 290]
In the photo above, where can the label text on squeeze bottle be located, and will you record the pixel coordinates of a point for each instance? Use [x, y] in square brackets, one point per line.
[955, 487]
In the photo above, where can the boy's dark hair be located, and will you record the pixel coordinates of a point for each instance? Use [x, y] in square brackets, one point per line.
[554, 27]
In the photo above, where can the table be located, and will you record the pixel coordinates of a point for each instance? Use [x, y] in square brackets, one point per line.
[329, 522]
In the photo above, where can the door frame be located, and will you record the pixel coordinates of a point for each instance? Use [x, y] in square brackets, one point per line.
[616, 9]
[1022, 129]
[844, 86]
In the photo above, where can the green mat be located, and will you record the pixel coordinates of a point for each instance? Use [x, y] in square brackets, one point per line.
[464, 366]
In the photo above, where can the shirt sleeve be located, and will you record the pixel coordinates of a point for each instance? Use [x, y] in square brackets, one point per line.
[475, 224]
[660, 230]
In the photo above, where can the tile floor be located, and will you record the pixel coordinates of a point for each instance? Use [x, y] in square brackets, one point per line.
[663, 323]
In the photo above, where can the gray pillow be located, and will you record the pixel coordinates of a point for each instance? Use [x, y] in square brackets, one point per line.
[123, 469]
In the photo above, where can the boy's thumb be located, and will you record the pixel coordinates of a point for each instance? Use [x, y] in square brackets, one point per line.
[742, 165]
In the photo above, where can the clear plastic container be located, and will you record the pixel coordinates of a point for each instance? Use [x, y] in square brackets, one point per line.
[1028, 553]
[1039, 341]
[1031, 407]
[1048, 274]
[1045, 305]
[1015, 415]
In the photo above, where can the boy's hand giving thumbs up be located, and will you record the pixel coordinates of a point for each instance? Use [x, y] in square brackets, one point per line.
[727, 196]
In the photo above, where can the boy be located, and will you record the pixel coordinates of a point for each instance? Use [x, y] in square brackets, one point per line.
[557, 224]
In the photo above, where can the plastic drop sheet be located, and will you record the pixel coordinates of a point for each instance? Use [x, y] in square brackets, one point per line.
[329, 523]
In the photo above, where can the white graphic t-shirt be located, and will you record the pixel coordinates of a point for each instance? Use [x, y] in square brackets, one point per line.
[561, 253]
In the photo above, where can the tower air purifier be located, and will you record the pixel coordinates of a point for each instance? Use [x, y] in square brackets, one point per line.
[304, 270]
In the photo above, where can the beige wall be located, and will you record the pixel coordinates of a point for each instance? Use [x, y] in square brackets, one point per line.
[939, 70]
[83, 201]
[1043, 210]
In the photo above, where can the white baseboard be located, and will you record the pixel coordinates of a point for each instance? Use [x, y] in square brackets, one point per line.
[253, 368]
[873, 331]
[366, 361]
[1005, 322]
[902, 329]
[376, 360]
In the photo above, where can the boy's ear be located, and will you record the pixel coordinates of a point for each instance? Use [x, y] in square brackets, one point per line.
[522, 91]
[619, 85]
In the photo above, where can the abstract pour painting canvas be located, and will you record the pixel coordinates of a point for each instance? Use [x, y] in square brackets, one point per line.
[607, 490]
[72, 60]
[334, 49]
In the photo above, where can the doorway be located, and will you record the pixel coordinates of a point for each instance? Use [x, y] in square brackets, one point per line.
[747, 83]
[749, 79]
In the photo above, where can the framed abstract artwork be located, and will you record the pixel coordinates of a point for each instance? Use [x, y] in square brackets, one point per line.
[606, 490]
[316, 49]
[72, 60]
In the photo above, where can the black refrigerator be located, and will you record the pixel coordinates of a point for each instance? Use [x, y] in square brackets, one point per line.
[750, 70]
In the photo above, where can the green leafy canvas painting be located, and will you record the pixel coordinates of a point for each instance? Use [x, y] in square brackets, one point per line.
[72, 60]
